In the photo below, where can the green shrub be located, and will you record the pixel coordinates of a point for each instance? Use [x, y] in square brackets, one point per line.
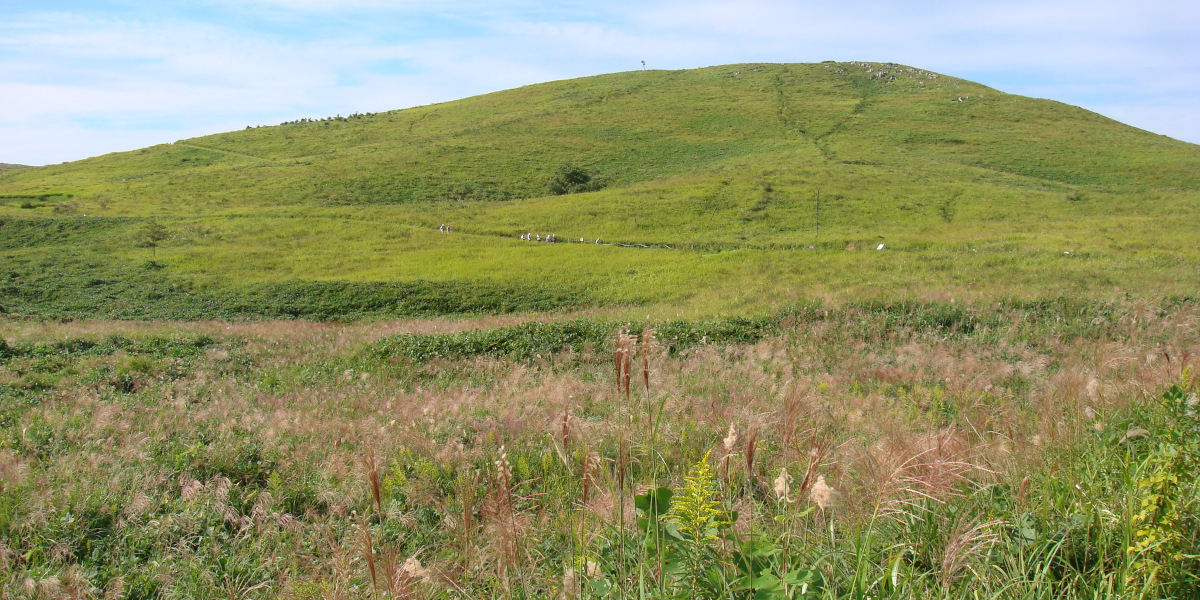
[520, 342]
[570, 179]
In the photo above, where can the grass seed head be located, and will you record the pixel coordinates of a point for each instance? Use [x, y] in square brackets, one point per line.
[413, 568]
[373, 482]
[730, 440]
[783, 487]
[751, 445]
[969, 542]
[822, 494]
[565, 429]
[591, 464]
[647, 347]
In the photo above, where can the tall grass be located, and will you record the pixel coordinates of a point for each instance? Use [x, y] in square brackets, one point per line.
[1040, 452]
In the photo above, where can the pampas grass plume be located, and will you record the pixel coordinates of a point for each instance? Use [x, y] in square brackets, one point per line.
[822, 494]
[783, 486]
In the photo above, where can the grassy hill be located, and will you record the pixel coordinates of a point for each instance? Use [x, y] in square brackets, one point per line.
[887, 333]
[731, 189]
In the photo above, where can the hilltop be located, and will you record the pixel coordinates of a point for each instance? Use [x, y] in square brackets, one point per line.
[11, 167]
[770, 184]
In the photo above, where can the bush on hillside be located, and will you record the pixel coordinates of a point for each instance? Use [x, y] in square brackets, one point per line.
[570, 179]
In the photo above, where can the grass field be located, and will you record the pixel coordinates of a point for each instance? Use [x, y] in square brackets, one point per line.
[839, 331]
[918, 451]
[771, 184]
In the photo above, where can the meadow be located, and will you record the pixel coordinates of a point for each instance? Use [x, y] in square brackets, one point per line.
[771, 184]
[838, 331]
[1039, 450]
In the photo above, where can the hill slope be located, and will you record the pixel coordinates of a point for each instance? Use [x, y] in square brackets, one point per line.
[725, 175]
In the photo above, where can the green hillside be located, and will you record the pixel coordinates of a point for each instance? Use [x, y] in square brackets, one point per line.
[731, 189]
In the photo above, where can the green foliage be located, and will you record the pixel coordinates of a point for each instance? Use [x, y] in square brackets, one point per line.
[530, 340]
[340, 300]
[1165, 548]
[181, 346]
[766, 573]
[31, 233]
[869, 320]
[570, 179]
[519, 342]
[695, 511]
[152, 234]
[113, 364]
[686, 533]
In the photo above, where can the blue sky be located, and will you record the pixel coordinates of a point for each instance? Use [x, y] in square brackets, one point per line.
[83, 78]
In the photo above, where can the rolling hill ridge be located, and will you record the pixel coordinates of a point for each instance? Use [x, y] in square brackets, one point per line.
[766, 182]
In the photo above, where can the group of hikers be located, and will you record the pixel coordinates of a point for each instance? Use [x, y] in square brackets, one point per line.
[550, 237]
[537, 237]
[529, 237]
